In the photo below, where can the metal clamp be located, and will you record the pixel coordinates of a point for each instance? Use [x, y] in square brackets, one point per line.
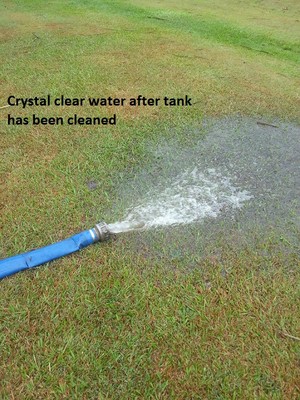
[102, 231]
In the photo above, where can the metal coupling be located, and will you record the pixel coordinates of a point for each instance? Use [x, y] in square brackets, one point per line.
[102, 231]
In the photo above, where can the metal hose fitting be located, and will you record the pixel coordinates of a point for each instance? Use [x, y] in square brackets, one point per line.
[102, 231]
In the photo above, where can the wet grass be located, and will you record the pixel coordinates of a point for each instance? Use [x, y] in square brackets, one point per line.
[111, 323]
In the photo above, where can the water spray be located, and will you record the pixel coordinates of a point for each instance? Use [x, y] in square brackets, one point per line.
[192, 196]
[34, 258]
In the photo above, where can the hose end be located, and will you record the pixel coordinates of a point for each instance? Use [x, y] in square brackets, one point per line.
[102, 231]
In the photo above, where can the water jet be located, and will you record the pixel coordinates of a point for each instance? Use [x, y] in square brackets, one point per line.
[191, 196]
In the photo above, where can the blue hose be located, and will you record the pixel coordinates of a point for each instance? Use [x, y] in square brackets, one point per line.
[33, 258]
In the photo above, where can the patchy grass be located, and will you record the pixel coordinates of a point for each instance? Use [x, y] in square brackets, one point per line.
[99, 325]
[107, 323]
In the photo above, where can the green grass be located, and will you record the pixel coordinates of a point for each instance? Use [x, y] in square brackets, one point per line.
[110, 323]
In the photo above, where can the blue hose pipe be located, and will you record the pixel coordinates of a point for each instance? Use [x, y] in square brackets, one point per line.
[34, 258]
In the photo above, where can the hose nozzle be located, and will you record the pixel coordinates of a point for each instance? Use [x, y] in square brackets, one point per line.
[102, 231]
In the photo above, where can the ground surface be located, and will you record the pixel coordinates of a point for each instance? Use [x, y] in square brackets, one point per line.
[148, 316]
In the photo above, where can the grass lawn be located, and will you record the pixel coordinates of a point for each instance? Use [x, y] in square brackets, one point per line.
[114, 324]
